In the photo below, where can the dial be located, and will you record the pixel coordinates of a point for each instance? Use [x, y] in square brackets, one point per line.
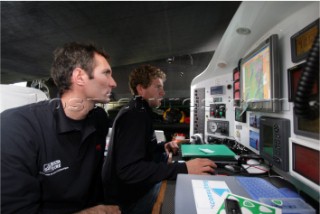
[212, 126]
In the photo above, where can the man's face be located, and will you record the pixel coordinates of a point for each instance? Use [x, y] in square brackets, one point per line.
[154, 93]
[99, 88]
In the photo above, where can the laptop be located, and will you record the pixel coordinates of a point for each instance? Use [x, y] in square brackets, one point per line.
[219, 153]
[206, 193]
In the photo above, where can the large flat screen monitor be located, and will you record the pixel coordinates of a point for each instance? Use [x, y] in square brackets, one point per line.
[260, 77]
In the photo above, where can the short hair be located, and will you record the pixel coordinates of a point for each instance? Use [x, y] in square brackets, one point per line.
[71, 56]
[144, 75]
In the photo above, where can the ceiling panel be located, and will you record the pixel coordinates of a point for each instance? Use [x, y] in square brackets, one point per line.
[131, 32]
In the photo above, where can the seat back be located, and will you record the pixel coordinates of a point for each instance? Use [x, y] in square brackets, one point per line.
[13, 96]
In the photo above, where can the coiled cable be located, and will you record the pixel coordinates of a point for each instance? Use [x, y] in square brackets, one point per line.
[310, 74]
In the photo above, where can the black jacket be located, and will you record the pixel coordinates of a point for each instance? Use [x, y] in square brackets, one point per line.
[133, 162]
[50, 163]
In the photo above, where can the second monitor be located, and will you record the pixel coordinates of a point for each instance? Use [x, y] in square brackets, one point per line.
[274, 141]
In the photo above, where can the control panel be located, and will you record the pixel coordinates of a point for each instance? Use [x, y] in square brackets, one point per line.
[218, 110]
[199, 111]
[218, 127]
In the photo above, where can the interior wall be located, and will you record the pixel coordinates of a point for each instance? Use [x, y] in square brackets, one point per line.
[180, 71]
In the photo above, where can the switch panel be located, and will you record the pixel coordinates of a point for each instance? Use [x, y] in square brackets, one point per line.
[218, 110]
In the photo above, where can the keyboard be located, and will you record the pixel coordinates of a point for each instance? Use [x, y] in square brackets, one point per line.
[260, 188]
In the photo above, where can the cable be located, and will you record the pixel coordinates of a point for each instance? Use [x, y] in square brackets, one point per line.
[310, 74]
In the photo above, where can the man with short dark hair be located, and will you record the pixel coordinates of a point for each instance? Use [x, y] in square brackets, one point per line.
[52, 151]
[135, 167]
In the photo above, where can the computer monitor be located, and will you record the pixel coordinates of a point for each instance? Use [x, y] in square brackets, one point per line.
[304, 162]
[260, 77]
[274, 137]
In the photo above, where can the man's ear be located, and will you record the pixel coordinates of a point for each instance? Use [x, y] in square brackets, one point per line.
[140, 89]
[78, 76]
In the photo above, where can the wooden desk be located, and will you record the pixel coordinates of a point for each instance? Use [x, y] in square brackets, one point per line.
[157, 207]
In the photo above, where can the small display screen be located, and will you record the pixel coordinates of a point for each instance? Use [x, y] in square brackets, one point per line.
[216, 90]
[304, 41]
[267, 140]
[240, 115]
[254, 120]
[306, 162]
[294, 78]
[311, 126]
[254, 139]
[217, 99]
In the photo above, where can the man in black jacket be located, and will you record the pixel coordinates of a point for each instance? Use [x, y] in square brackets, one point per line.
[52, 151]
[134, 166]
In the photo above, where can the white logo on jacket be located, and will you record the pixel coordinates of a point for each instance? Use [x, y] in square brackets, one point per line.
[52, 168]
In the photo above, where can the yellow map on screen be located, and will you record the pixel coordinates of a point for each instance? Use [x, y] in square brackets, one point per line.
[257, 77]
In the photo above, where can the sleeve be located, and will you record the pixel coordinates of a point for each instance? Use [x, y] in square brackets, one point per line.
[160, 146]
[103, 122]
[20, 189]
[130, 153]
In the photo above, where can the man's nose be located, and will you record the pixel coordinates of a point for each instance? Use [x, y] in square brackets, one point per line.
[113, 83]
[162, 92]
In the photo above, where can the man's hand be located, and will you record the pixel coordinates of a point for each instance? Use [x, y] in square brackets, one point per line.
[171, 146]
[200, 166]
[101, 209]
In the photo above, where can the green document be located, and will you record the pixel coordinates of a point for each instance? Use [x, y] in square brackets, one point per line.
[212, 151]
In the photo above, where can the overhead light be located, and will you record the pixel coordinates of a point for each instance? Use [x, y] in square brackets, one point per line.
[170, 59]
[243, 31]
[222, 64]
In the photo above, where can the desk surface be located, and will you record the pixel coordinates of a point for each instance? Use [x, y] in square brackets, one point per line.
[168, 206]
[185, 199]
[169, 199]
[179, 196]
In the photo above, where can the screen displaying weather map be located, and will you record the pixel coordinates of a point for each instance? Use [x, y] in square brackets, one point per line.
[257, 76]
